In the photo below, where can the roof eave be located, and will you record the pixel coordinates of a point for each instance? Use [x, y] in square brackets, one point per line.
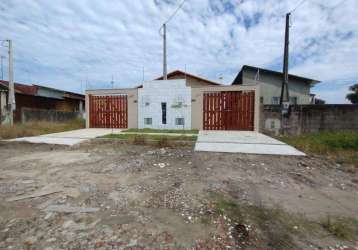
[309, 80]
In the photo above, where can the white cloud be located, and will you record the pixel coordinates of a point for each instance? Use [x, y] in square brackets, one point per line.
[61, 43]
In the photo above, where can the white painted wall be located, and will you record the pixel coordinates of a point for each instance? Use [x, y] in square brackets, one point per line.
[172, 92]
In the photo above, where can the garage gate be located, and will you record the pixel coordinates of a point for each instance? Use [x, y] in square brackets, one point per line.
[230, 110]
[108, 111]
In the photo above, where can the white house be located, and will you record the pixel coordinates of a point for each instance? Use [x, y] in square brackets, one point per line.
[164, 105]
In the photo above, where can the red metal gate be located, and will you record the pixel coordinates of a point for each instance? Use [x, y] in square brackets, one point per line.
[108, 111]
[232, 110]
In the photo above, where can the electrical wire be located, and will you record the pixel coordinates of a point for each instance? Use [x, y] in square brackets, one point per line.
[171, 16]
[298, 5]
[175, 12]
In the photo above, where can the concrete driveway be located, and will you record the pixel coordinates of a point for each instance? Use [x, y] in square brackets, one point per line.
[242, 142]
[69, 138]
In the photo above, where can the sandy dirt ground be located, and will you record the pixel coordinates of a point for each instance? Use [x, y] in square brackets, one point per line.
[113, 195]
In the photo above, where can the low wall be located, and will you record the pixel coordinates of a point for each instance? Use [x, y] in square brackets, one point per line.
[28, 115]
[309, 119]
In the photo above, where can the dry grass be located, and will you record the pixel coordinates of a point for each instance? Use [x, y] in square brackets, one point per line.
[154, 140]
[170, 131]
[38, 128]
[342, 146]
[146, 137]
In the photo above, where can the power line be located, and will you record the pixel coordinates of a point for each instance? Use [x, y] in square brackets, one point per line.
[297, 6]
[171, 16]
[175, 12]
[164, 35]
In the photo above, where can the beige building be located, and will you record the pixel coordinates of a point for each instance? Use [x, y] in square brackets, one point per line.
[183, 101]
[270, 84]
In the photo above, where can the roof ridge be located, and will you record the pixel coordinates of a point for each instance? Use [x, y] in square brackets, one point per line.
[189, 74]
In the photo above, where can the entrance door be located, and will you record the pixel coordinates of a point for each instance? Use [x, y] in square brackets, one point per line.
[108, 111]
[229, 110]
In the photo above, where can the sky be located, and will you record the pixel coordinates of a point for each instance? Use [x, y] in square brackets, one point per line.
[74, 45]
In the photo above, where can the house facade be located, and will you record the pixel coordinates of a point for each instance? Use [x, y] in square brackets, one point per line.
[184, 101]
[270, 84]
[173, 101]
[37, 99]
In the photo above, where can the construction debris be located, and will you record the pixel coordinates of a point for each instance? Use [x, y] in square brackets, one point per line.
[43, 192]
[69, 209]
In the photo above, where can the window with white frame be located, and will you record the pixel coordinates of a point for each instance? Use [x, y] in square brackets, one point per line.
[148, 121]
[179, 121]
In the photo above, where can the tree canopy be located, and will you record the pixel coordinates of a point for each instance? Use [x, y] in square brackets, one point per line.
[353, 97]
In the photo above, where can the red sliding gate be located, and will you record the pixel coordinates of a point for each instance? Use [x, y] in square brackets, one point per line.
[108, 111]
[233, 110]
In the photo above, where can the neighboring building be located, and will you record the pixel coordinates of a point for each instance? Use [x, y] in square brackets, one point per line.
[36, 97]
[184, 101]
[192, 81]
[270, 84]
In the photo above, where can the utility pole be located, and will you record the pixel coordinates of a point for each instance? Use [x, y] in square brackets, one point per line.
[11, 101]
[2, 66]
[165, 51]
[284, 99]
[164, 27]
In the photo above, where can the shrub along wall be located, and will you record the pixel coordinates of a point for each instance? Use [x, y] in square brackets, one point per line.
[309, 119]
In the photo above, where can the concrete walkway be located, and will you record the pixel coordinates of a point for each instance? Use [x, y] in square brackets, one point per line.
[242, 142]
[69, 138]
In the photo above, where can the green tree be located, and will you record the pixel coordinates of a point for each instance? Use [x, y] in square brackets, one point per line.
[353, 97]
